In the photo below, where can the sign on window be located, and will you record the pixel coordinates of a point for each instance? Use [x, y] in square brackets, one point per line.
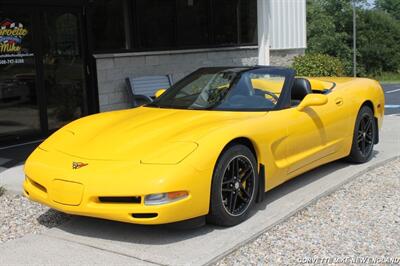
[12, 34]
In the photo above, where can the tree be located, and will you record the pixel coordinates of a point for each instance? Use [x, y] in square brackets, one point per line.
[390, 6]
[379, 42]
[330, 31]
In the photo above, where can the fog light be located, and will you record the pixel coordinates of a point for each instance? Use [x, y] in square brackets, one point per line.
[164, 198]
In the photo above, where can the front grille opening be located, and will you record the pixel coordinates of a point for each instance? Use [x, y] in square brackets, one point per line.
[127, 200]
[38, 186]
[144, 215]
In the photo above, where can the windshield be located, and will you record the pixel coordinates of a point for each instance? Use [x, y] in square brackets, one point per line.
[225, 89]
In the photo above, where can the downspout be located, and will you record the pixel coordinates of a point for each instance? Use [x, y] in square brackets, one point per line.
[263, 22]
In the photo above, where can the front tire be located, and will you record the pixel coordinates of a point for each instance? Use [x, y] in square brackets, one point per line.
[234, 186]
[364, 136]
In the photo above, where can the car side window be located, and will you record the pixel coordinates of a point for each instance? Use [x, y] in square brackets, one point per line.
[267, 85]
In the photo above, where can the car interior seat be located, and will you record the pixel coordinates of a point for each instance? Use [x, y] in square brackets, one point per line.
[300, 89]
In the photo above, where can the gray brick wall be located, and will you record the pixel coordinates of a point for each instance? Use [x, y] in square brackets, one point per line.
[284, 57]
[113, 69]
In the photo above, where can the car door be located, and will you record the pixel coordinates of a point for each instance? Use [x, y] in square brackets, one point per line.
[316, 132]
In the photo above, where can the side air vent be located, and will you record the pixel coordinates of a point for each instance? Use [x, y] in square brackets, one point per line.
[37, 185]
[144, 215]
[125, 200]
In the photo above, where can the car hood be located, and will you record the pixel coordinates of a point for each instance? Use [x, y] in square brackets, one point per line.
[147, 135]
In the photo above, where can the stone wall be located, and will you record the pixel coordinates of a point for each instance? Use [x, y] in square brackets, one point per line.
[112, 69]
[284, 57]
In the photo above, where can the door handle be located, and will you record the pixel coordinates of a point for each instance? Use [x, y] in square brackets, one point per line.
[339, 101]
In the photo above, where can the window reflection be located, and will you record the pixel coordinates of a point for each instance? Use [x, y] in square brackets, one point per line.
[18, 102]
[64, 76]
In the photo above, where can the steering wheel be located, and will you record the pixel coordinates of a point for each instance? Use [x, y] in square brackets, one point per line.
[273, 95]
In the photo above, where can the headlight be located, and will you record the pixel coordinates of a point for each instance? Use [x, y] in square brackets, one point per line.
[164, 198]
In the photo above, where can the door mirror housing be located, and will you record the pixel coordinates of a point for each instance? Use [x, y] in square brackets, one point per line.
[159, 92]
[312, 99]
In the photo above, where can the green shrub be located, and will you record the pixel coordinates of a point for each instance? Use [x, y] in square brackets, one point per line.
[318, 65]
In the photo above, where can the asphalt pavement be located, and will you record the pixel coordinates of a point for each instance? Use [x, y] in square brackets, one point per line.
[392, 98]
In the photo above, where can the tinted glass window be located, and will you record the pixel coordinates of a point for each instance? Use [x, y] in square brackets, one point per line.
[141, 25]
[225, 21]
[63, 67]
[192, 22]
[19, 113]
[248, 21]
[108, 25]
[156, 22]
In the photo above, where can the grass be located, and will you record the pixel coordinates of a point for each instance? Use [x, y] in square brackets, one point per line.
[2, 190]
[388, 77]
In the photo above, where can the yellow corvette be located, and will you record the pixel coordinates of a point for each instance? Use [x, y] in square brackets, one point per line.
[210, 146]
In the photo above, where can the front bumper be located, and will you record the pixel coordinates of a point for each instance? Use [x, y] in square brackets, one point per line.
[52, 181]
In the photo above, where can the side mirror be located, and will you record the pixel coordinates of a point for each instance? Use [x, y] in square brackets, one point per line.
[312, 99]
[159, 92]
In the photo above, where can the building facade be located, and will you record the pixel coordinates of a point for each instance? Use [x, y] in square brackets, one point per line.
[60, 60]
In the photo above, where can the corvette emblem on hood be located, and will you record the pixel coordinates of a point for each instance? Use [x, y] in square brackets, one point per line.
[77, 165]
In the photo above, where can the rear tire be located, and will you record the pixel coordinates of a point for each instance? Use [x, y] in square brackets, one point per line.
[234, 187]
[364, 136]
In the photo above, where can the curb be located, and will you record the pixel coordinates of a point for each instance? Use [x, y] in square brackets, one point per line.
[314, 200]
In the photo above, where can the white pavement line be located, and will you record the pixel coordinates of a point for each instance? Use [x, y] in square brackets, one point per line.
[392, 106]
[392, 91]
[300, 208]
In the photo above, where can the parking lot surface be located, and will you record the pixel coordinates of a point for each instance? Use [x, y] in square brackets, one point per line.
[392, 98]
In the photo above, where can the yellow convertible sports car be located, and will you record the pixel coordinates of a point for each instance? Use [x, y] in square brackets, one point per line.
[209, 146]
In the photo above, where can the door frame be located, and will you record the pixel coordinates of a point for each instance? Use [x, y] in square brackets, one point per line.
[76, 11]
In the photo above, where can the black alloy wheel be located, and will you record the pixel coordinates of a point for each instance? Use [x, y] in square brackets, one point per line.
[365, 131]
[365, 135]
[237, 188]
[234, 186]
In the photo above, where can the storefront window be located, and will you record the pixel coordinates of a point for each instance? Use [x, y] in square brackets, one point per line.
[247, 22]
[108, 23]
[143, 25]
[225, 21]
[192, 23]
[63, 68]
[19, 114]
[156, 20]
